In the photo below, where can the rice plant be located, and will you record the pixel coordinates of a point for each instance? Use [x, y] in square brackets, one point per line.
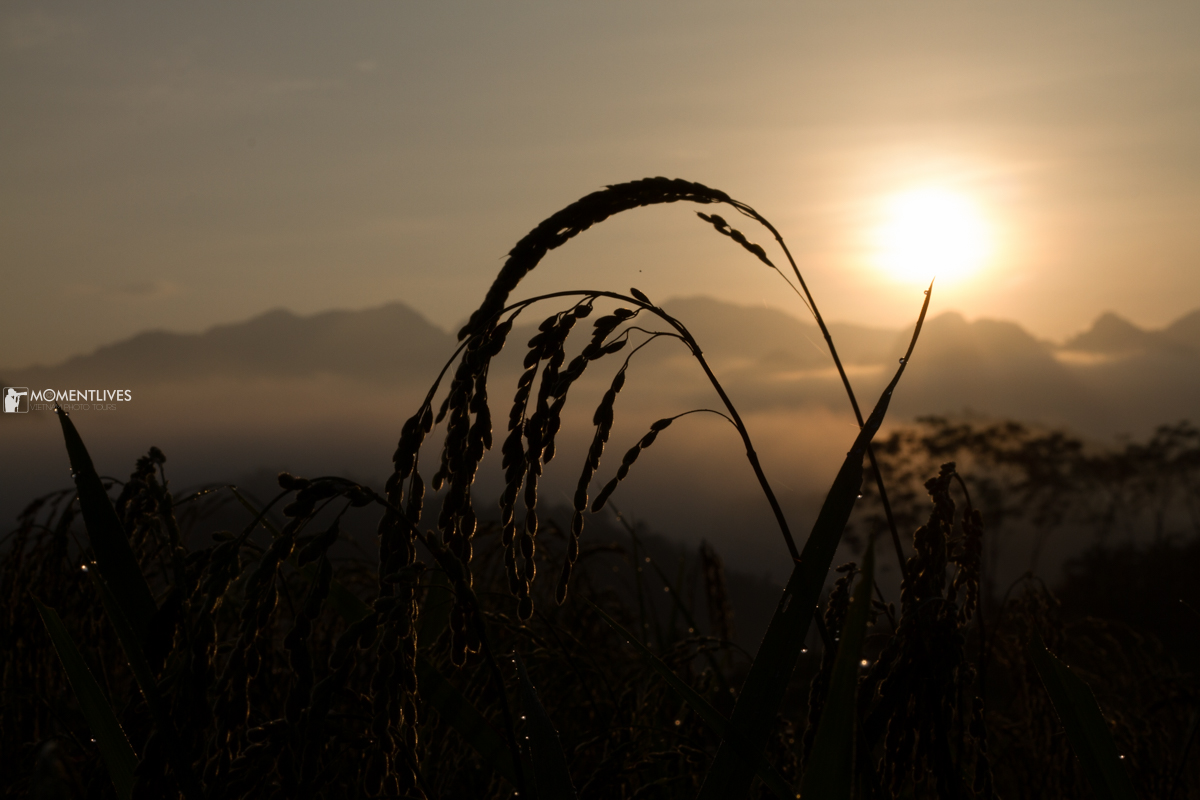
[141, 661]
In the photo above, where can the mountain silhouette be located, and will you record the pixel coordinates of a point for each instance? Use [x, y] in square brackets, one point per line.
[989, 367]
[1112, 378]
[328, 393]
[1113, 335]
[773, 337]
[1185, 330]
[391, 342]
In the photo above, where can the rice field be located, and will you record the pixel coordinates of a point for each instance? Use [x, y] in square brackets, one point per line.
[500, 651]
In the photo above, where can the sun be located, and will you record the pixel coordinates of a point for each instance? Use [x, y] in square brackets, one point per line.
[929, 233]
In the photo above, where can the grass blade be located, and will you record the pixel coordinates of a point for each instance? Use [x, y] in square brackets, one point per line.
[754, 714]
[713, 718]
[1086, 729]
[550, 773]
[456, 711]
[452, 706]
[340, 599]
[110, 736]
[110, 544]
[144, 676]
[830, 772]
[675, 598]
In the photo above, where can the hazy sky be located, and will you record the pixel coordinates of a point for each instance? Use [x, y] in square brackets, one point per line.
[181, 165]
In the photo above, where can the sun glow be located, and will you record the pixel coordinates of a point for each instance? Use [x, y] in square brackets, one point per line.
[928, 233]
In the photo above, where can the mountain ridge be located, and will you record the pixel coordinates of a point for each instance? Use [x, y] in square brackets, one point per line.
[277, 342]
[1111, 378]
[327, 335]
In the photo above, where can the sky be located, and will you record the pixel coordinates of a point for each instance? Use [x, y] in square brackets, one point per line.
[183, 165]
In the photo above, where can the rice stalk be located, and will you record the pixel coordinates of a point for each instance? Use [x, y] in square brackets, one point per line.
[272, 668]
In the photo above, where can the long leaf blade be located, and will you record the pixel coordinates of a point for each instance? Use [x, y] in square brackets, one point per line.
[110, 736]
[550, 771]
[146, 681]
[1086, 729]
[711, 717]
[754, 714]
[110, 544]
[830, 771]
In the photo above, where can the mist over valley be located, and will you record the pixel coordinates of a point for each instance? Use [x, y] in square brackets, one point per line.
[328, 394]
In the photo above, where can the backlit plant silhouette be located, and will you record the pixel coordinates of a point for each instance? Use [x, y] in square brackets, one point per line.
[447, 668]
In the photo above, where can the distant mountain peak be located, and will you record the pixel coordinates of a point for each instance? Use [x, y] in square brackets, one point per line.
[1185, 330]
[1112, 334]
[395, 344]
[383, 343]
[1109, 334]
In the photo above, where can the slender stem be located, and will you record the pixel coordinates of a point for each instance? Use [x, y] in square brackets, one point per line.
[982, 658]
[736, 418]
[678, 602]
[891, 617]
[1183, 756]
[812, 304]
[887, 511]
[966, 492]
[751, 455]
[641, 598]
[454, 571]
[591, 697]
[826, 640]
[505, 710]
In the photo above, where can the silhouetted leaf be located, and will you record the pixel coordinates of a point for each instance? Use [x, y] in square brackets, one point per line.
[106, 535]
[1086, 729]
[830, 769]
[754, 714]
[713, 718]
[110, 737]
[140, 667]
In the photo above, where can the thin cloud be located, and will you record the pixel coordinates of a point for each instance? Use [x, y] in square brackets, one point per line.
[35, 30]
[203, 95]
[134, 290]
